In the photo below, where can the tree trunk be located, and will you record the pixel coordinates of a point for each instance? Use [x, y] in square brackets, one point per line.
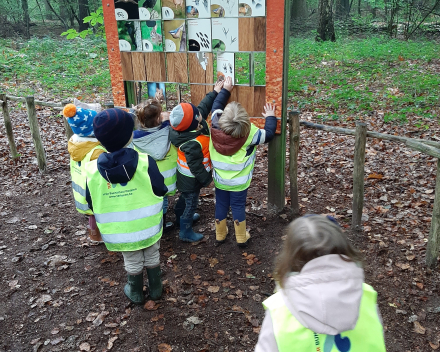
[83, 6]
[26, 20]
[48, 13]
[298, 9]
[359, 7]
[326, 28]
[342, 8]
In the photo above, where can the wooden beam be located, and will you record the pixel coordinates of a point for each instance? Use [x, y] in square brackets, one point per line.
[433, 246]
[8, 126]
[127, 66]
[35, 132]
[277, 55]
[139, 69]
[358, 175]
[155, 64]
[177, 67]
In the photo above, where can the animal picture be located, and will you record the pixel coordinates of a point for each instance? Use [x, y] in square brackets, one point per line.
[127, 36]
[152, 36]
[225, 65]
[252, 8]
[244, 10]
[224, 8]
[173, 9]
[217, 11]
[126, 10]
[225, 34]
[175, 35]
[149, 9]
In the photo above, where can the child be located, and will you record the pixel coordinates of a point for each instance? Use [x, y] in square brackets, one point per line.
[82, 147]
[153, 138]
[233, 146]
[322, 304]
[125, 190]
[190, 134]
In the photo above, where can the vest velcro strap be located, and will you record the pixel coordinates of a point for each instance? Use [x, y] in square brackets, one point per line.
[132, 237]
[81, 206]
[130, 215]
[233, 167]
[238, 181]
[169, 173]
[77, 188]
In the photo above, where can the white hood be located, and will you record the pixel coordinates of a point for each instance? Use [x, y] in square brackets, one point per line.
[325, 296]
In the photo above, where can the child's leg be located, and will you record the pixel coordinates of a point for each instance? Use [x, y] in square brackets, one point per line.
[152, 263]
[186, 233]
[167, 226]
[179, 208]
[222, 201]
[94, 233]
[134, 264]
[238, 205]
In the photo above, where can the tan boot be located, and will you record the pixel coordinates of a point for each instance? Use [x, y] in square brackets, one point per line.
[221, 231]
[241, 234]
[95, 235]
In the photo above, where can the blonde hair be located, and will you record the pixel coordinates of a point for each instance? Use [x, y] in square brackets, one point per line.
[310, 237]
[235, 120]
[148, 113]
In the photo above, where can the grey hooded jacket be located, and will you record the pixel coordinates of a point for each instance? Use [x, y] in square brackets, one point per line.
[153, 141]
[325, 297]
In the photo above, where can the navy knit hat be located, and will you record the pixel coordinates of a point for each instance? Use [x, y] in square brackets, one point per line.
[183, 117]
[113, 128]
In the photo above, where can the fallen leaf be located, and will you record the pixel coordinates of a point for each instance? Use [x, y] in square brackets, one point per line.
[55, 331]
[213, 262]
[194, 320]
[239, 293]
[43, 300]
[429, 191]
[164, 347]
[85, 346]
[418, 328]
[213, 289]
[254, 288]
[156, 318]
[151, 305]
[434, 346]
[110, 342]
[257, 298]
[375, 176]
[256, 329]
[220, 272]
[419, 285]
[91, 316]
[193, 257]
[57, 341]
[410, 257]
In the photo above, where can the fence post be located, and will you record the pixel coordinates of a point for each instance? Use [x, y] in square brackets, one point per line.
[35, 131]
[358, 175]
[293, 160]
[433, 245]
[8, 126]
[67, 128]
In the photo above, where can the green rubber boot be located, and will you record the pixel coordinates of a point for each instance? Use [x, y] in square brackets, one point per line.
[134, 288]
[154, 282]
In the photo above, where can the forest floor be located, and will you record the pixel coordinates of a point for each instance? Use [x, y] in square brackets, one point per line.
[62, 293]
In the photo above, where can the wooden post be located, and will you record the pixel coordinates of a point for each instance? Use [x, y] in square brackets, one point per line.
[35, 131]
[358, 175]
[8, 126]
[277, 147]
[69, 132]
[432, 249]
[293, 160]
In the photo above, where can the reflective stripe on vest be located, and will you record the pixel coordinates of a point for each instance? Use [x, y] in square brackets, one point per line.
[234, 172]
[168, 168]
[182, 165]
[129, 216]
[78, 174]
[367, 336]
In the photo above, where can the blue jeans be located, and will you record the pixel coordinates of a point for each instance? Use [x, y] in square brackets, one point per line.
[235, 200]
[189, 202]
[165, 205]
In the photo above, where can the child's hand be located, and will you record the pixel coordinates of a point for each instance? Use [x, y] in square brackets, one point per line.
[228, 84]
[269, 110]
[218, 86]
[165, 116]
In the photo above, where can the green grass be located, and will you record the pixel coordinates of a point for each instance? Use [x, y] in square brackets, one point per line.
[54, 66]
[353, 77]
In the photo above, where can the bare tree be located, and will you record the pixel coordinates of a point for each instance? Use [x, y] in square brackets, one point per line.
[298, 9]
[83, 6]
[342, 8]
[26, 20]
[326, 28]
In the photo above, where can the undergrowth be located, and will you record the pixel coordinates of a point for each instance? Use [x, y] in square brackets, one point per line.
[355, 77]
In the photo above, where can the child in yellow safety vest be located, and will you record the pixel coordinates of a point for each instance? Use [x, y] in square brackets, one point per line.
[190, 135]
[83, 147]
[322, 303]
[125, 191]
[233, 146]
[152, 136]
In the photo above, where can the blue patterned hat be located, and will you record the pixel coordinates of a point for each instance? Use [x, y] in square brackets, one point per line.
[80, 120]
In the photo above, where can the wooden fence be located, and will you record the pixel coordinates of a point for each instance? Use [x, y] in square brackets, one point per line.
[431, 148]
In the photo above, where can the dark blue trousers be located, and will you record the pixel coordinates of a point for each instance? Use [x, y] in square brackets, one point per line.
[235, 200]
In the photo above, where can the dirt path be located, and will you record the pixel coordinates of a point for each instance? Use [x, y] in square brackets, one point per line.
[60, 293]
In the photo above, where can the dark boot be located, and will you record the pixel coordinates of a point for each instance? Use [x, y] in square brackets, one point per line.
[167, 226]
[178, 211]
[134, 288]
[186, 233]
[154, 282]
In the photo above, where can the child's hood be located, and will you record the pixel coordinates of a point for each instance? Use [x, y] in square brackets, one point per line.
[179, 138]
[79, 147]
[153, 141]
[118, 167]
[325, 296]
